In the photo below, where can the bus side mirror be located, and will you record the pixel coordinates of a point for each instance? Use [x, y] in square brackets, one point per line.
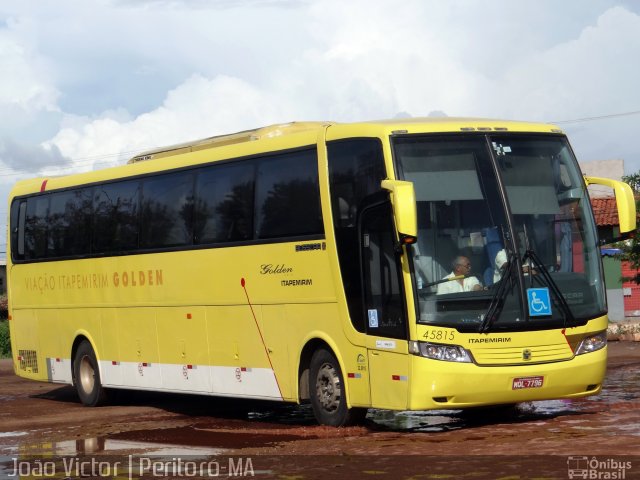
[403, 200]
[625, 202]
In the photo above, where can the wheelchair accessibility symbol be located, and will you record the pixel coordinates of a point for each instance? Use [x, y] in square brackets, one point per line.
[539, 302]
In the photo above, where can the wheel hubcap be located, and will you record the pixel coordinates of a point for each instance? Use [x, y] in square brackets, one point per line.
[87, 375]
[328, 388]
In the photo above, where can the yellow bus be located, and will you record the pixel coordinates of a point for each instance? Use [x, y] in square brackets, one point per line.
[408, 265]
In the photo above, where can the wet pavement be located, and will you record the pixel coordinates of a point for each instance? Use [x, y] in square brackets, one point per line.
[39, 420]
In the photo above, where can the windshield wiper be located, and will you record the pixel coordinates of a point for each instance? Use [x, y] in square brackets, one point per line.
[553, 286]
[497, 301]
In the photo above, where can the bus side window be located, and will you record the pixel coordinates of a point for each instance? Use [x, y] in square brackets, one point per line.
[22, 215]
[17, 222]
[69, 223]
[115, 222]
[36, 227]
[288, 196]
[167, 210]
[223, 210]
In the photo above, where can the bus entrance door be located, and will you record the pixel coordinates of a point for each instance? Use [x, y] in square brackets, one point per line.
[388, 373]
[384, 309]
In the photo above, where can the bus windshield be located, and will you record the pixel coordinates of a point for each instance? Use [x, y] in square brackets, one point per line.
[504, 228]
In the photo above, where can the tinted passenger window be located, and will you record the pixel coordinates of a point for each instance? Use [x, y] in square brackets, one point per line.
[288, 196]
[115, 220]
[224, 204]
[17, 223]
[36, 227]
[69, 223]
[167, 211]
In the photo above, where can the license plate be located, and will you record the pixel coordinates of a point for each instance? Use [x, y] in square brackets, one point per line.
[527, 382]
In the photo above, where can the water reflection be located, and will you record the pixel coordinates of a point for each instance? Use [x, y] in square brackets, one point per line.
[622, 385]
[107, 446]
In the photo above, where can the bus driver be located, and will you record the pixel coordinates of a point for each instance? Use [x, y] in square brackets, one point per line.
[461, 280]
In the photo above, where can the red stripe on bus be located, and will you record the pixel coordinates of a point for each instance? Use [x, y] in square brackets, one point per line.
[564, 334]
[243, 283]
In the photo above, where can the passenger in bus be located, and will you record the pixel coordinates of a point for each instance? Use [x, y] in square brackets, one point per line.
[500, 265]
[461, 279]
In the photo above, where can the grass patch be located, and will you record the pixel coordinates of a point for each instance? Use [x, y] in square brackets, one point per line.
[5, 344]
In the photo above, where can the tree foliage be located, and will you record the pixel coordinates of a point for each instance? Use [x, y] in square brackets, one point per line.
[5, 343]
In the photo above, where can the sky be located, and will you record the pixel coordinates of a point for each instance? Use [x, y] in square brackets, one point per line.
[88, 84]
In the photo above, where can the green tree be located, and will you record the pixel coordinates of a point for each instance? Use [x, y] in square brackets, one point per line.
[5, 343]
[634, 181]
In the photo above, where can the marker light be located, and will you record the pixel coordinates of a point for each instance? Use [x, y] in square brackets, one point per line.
[435, 351]
[592, 343]
[407, 239]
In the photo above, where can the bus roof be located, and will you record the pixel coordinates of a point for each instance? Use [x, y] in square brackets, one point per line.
[229, 139]
[404, 125]
[280, 136]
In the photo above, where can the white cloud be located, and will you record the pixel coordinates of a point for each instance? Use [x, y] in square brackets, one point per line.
[26, 157]
[119, 74]
[209, 4]
[198, 108]
[28, 98]
[22, 85]
[28, 102]
[589, 75]
[99, 81]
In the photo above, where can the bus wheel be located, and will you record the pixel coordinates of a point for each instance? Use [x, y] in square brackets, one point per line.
[86, 377]
[326, 389]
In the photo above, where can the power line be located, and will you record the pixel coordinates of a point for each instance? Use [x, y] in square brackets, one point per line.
[599, 117]
[107, 158]
[80, 162]
[8, 172]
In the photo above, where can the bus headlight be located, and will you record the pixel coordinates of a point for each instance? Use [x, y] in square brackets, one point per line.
[435, 351]
[592, 343]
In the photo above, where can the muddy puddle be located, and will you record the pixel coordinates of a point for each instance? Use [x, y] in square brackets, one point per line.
[106, 446]
[621, 390]
[281, 423]
[205, 431]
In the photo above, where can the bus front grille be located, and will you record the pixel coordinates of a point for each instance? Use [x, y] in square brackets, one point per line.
[522, 355]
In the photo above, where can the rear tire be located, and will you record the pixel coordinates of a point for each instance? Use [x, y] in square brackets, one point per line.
[86, 376]
[328, 397]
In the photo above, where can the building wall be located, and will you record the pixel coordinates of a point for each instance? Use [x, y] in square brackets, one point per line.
[615, 304]
[631, 292]
[615, 292]
[602, 168]
[612, 273]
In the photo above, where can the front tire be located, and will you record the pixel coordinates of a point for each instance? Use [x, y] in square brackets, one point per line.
[86, 376]
[328, 397]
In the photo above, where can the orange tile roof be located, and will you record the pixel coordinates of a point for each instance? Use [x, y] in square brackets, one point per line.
[605, 211]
